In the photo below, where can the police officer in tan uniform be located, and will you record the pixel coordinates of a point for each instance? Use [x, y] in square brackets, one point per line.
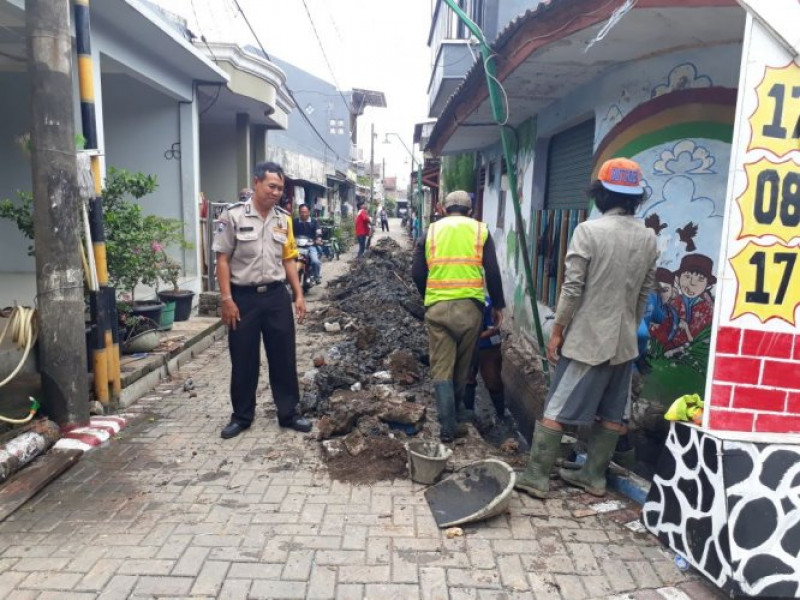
[256, 254]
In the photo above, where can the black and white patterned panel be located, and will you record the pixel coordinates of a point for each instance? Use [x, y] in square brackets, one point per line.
[763, 491]
[686, 506]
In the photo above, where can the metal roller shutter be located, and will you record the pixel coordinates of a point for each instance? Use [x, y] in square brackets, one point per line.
[569, 167]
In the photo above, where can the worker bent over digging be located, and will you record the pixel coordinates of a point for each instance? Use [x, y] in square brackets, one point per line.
[449, 270]
[610, 269]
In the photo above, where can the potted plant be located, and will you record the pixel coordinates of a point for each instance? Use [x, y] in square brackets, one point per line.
[170, 272]
[136, 242]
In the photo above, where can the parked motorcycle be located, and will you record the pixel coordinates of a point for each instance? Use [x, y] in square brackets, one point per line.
[327, 244]
[304, 245]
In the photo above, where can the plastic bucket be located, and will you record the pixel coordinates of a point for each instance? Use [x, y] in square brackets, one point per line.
[167, 316]
[426, 460]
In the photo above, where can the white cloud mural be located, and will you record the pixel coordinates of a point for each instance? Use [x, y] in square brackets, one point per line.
[686, 157]
[682, 77]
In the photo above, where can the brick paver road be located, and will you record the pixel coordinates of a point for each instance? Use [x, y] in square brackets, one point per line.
[169, 510]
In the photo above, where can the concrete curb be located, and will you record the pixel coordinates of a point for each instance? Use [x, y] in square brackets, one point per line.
[100, 430]
[169, 364]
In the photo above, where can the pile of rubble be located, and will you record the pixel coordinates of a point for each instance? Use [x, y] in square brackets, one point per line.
[369, 391]
[372, 378]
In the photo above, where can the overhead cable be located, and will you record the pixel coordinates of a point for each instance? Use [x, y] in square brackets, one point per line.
[325, 56]
[288, 90]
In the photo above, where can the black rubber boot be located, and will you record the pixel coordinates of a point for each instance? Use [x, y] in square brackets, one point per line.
[469, 396]
[499, 403]
[446, 409]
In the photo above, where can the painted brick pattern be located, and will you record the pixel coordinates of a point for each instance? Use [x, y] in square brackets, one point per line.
[756, 385]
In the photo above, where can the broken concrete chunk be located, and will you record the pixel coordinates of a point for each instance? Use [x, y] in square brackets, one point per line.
[333, 448]
[355, 443]
[453, 532]
[332, 327]
[510, 446]
[356, 386]
[406, 413]
[382, 376]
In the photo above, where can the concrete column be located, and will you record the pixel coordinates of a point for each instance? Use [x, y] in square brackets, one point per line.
[190, 186]
[243, 166]
[259, 143]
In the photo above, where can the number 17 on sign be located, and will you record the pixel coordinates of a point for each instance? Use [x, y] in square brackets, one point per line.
[768, 282]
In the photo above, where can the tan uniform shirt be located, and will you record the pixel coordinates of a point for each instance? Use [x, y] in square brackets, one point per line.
[256, 247]
[610, 270]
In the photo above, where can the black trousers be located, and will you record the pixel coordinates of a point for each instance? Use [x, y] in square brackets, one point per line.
[268, 316]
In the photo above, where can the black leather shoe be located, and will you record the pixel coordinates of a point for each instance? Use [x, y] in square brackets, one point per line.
[233, 429]
[298, 423]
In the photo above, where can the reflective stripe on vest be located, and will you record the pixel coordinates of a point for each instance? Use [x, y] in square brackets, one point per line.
[454, 253]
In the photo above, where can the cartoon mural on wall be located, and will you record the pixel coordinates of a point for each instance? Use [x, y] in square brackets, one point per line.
[681, 138]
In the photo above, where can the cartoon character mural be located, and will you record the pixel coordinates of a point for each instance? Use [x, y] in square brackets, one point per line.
[681, 138]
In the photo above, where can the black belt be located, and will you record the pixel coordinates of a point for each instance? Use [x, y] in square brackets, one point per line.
[257, 289]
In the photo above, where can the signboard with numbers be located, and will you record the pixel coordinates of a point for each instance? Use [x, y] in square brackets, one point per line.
[753, 387]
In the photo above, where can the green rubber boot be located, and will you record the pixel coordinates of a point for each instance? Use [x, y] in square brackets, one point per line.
[592, 475]
[625, 459]
[546, 443]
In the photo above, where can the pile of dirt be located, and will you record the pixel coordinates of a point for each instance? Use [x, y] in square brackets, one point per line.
[369, 389]
[384, 458]
[380, 311]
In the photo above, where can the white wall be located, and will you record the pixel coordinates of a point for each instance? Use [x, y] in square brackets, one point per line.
[218, 162]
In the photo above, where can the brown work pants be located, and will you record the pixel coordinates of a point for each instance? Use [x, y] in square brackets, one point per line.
[453, 329]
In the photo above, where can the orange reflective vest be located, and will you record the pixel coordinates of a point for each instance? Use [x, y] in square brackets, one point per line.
[454, 253]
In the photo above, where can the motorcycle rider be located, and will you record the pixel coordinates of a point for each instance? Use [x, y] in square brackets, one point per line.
[305, 226]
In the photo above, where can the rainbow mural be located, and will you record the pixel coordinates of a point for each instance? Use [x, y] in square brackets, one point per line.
[706, 113]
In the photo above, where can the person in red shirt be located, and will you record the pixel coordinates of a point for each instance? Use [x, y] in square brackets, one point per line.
[363, 223]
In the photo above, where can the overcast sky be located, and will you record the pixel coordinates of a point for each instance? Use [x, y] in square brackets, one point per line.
[372, 44]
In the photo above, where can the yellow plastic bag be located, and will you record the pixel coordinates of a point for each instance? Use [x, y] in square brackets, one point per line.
[688, 407]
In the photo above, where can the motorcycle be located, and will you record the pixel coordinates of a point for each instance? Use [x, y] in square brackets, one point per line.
[327, 244]
[304, 245]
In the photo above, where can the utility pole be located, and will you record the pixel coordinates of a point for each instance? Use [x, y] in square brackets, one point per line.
[371, 163]
[59, 271]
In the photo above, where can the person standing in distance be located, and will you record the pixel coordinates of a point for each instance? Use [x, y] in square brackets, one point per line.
[450, 269]
[362, 228]
[256, 252]
[305, 226]
[609, 272]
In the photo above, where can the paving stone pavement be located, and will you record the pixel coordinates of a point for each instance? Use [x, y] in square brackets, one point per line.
[169, 510]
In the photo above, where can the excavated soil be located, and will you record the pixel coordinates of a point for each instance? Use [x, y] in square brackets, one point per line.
[385, 458]
[369, 391]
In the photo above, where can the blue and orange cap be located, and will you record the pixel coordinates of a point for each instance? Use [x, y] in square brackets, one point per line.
[621, 175]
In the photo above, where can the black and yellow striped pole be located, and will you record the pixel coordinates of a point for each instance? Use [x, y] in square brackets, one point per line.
[105, 358]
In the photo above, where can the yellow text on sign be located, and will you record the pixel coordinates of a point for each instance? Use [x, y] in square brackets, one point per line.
[771, 203]
[768, 282]
[776, 120]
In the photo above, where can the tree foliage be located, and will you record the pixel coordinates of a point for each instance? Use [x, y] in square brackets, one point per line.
[458, 173]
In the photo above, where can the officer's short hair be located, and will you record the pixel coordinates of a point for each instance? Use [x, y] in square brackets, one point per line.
[261, 169]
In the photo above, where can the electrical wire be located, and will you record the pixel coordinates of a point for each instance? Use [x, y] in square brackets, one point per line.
[202, 35]
[288, 90]
[325, 56]
[22, 324]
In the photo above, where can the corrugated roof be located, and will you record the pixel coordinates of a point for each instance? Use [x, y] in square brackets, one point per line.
[475, 76]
